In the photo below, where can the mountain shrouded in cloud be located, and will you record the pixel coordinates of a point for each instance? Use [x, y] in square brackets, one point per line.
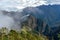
[14, 5]
[12, 16]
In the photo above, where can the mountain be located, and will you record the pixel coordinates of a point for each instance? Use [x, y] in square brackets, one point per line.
[49, 13]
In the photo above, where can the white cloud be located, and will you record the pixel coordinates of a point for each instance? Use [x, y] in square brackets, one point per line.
[6, 4]
[53, 1]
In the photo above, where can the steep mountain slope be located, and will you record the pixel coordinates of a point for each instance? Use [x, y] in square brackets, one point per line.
[50, 14]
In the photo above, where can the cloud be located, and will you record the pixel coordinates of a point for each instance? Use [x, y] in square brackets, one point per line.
[53, 1]
[20, 4]
[5, 4]
[6, 21]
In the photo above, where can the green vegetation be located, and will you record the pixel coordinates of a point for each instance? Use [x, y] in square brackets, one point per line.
[25, 34]
[59, 36]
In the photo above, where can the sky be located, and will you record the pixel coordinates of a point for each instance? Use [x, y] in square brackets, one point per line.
[20, 4]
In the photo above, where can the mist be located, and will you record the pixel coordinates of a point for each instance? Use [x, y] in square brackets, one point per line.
[12, 20]
[6, 21]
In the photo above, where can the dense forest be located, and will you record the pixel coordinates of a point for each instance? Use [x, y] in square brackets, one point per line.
[25, 34]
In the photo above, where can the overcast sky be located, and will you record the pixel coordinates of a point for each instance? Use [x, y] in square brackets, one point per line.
[19, 4]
